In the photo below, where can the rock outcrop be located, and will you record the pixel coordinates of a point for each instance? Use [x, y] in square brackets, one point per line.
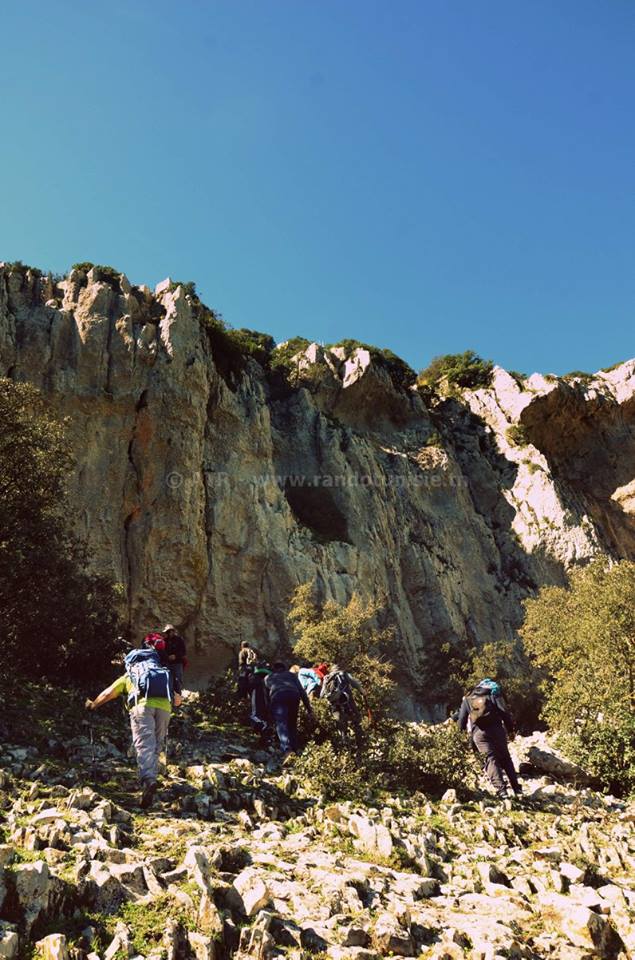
[209, 487]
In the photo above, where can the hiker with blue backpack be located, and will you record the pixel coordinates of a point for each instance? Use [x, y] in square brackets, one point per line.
[150, 690]
[487, 720]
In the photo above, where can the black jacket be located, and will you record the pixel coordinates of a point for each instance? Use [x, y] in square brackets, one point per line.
[283, 681]
[501, 717]
[174, 646]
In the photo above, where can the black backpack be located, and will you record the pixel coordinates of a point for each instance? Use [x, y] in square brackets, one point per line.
[482, 708]
[336, 688]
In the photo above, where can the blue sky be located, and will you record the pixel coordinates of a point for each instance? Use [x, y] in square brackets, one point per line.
[426, 175]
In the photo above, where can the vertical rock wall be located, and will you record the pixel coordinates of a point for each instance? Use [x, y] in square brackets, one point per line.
[209, 494]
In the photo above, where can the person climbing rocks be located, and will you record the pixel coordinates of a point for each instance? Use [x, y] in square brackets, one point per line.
[259, 716]
[247, 660]
[172, 651]
[284, 692]
[486, 718]
[337, 690]
[309, 680]
[149, 688]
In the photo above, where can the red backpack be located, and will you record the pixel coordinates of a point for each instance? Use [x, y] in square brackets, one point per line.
[155, 640]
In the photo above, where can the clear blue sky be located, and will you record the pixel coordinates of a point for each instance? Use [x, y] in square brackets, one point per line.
[426, 175]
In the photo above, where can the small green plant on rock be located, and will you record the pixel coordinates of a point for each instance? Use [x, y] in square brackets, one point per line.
[517, 435]
[456, 371]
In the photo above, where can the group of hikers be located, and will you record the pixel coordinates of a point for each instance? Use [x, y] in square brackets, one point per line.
[275, 693]
[153, 684]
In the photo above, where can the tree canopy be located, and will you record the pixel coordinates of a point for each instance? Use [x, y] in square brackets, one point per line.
[56, 618]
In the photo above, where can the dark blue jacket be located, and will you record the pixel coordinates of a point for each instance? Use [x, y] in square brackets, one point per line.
[283, 681]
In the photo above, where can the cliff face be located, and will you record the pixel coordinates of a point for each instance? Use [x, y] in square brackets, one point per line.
[209, 493]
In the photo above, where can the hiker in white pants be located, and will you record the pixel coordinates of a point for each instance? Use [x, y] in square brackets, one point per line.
[149, 720]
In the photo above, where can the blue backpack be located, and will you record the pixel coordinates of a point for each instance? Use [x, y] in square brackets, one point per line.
[148, 677]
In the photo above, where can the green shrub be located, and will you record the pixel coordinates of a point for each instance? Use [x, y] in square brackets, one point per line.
[579, 375]
[56, 618]
[104, 274]
[16, 266]
[188, 286]
[396, 757]
[219, 703]
[612, 367]
[349, 636]
[434, 439]
[606, 750]
[582, 637]
[283, 354]
[459, 370]
[400, 372]
[517, 435]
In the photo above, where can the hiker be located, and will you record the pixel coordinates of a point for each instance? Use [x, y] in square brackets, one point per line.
[484, 715]
[149, 687]
[247, 656]
[247, 659]
[309, 680]
[170, 646]
[284, 692]
[337, 690]
[259, 716]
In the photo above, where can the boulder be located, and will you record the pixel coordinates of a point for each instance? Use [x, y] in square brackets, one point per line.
[582, 927]
[391, 938]
[9, 941]
[556, 766]
[373, 837]
[53, 947]
[251, 892]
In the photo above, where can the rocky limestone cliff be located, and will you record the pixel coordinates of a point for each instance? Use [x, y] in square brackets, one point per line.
[210, 489]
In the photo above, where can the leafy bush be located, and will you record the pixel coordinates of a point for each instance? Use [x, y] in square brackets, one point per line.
[219, 703]
[583, 639]
[607, 751]
[346, 635]
[231, 347]
[400, 372]
[517, 435]
[16, 266]
[396, 757]
[103, 273]
[613, 367]
[283, 354]
[56, 618]
[457, 370]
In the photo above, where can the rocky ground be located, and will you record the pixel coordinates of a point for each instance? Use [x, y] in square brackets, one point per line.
[236, 859]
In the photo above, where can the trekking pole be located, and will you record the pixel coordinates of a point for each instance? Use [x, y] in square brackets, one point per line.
[91, 737]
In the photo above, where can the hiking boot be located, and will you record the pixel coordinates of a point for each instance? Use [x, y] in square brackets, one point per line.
[147, 794]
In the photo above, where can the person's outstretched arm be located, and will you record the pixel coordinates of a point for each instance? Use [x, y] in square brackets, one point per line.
[464, 713]
[110, 693]
[304, 697]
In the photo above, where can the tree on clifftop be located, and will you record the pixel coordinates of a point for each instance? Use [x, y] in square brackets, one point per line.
[56, 618]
